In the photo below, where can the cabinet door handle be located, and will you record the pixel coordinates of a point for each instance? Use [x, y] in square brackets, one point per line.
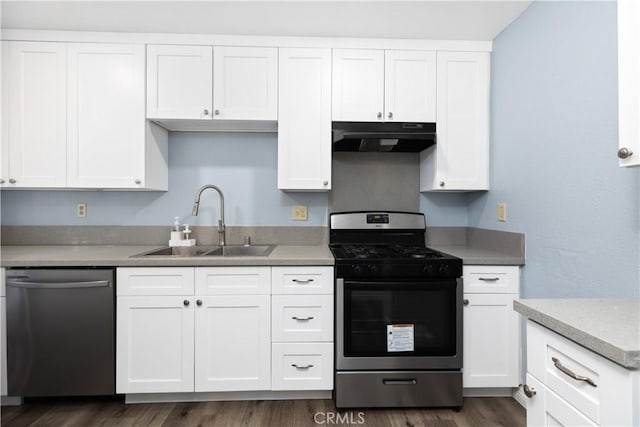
[205, 112]
[568, 372]
[302, 281]
[186, 303]
[216, 112]
[390, 115]
[302, 319]
[379, 115]
[137, 181]
[465, 301]
[199, 302]
[302, 367]
[624, 152]
[489, 279]
[441, 183]
[529, 391]
[1, 181]
[325, 182]
[12, 181]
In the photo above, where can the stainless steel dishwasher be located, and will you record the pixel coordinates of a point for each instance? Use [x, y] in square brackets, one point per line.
[60, 332]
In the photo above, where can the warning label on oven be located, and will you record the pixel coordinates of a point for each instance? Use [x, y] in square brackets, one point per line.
[400, 337]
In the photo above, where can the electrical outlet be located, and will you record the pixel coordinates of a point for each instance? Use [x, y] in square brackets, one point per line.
[81, 210]
[299, 213]
[502, 212]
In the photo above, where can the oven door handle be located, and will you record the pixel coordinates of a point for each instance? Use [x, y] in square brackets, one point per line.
[401, 381]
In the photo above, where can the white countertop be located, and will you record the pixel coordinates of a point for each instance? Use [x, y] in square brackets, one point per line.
[609, 327]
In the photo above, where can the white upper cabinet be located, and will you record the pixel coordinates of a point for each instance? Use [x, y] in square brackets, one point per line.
[460, 159]
[245, 83]
[74, 118]
[34, 145]
[211, 83]
[629, 82]
[304, 119]
[179, 82]
[377, 85]
[105, 121]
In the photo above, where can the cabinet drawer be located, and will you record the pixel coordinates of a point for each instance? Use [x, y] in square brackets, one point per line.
[155, 281]
[302, 318]
[491, 279]
[302, 366]
[608, 401]
[302, 280]
[233, 280]
[546, 408]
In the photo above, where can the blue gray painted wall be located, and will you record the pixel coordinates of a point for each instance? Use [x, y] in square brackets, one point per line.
[553, 153]
[243, 165]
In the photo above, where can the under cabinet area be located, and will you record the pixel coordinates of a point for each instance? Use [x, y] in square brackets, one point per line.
[75, 118]
[379, 85]
[567, 384]
[491, 341]
[213, 329]
[206, 83]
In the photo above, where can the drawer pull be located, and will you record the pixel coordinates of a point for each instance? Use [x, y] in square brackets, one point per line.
[529, 391]
[410, 381]
[301, 367]
[302, 281]
[568, 372]
[489, 279]
[302, 319]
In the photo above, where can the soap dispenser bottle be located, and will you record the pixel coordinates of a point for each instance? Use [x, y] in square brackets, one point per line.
[176, 233]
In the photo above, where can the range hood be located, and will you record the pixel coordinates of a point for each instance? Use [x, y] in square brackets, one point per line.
[393, 137]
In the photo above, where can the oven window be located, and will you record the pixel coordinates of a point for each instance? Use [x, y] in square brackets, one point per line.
[399, 319]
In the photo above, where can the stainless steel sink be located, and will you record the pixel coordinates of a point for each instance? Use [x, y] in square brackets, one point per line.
[197, 251]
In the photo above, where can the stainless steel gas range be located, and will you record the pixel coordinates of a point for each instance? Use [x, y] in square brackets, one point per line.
[398, 313]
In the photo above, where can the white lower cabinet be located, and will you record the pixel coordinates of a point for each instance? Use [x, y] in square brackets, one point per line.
[491, 342]
[190, 341]
[233, 340]
[570, 385]
[3, 333]
[302, 328]
[209, 329]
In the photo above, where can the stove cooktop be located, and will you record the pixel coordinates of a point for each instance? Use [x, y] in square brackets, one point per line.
[385, 252]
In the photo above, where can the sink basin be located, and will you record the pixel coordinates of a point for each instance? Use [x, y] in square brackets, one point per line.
[179, 251]
[196, 251]
[249, 250]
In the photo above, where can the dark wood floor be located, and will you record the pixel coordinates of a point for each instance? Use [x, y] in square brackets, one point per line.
[278, 413]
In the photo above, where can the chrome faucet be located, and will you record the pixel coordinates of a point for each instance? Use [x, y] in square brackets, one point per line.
[196, 205]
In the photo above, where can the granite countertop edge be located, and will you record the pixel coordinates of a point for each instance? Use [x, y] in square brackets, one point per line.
[627, 358]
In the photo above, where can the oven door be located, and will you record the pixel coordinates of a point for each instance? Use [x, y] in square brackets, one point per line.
[398, 324]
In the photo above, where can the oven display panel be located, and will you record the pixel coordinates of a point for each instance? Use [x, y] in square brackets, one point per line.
[377, 218]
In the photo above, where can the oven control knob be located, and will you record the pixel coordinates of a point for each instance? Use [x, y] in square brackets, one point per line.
[428, 269]
[444, 269]
[356, 268]
[373, 269]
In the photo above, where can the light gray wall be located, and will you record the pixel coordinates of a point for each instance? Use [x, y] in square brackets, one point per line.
[553, 153]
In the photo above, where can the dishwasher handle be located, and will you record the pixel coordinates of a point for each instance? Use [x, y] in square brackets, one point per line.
[59, 285]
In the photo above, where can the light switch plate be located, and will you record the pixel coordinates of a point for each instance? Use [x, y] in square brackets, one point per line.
[502, 212]
[81, 210]
[299, 213]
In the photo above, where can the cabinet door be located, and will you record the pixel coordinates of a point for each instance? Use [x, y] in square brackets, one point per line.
[358, 85]
[629, 81]
[491, 341]
[105, 122]
[154, 344]
[233, 343]
[460, 159]
[37, 135]
[245, 83]
[410, 86]
[179, 82]
[304, 120]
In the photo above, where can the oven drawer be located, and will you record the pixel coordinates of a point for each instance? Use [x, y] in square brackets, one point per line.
[302, 280]
[302, 366]
[603, 401]
[491, 279]
[302, 318]
[366, 389]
